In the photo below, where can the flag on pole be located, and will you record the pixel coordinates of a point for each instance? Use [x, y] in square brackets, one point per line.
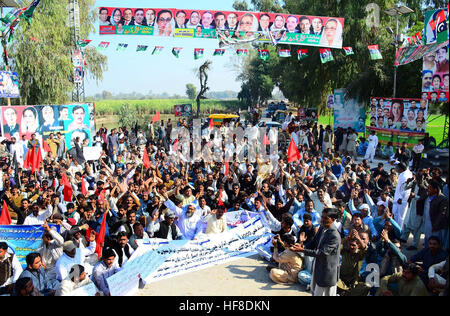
[325, 55]
[83, 187]
[374, 52]
[28, 12]
[145, 159]
[302, 54]
[103, 45]
[37, 160]
[283, 53]
[293, 152]
[241, 52]
[5, 217]
[198, 53]
[157, 50]
[219, 52]
[29, 158]
[419, 36]
[100, 236]
[211, 124]
[176, 51]
[68, 191]
[46, 147]
[84, 42]
[10, 17]
[175, 145]
[263, 54]
[141, 48]
[156, 117]
[227, 168]
[122, 47]
[348, 51]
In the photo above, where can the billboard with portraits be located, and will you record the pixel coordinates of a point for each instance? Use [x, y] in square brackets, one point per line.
[9, 84]
[348, 112]
[290, 28]
[70, 120]
[404, 115]
[183, 110]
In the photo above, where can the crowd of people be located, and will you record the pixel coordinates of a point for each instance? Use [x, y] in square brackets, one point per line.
[333, 214]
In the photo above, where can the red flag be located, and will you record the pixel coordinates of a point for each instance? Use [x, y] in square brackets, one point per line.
[145, 159]
[68, 191]
[99, 237]
[64, 180]
[46, 147]
[5, 218]
[83, 187]
[37, 160]
[266, 140]
[211, 124]
[175, 145]
[419, 36]
[227, 168]
[29, 158]
[293, 152]
[433, 25]
[156, 117]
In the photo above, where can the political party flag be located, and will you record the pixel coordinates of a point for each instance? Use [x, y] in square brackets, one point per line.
[302, 54]
[83, 187]
[157, 50]
[103, 45]
[266, 140]
[263, 54]
[5, 217]
[419, 36]
[176, 51]
[146, 160]
[28, 12]
[156, 117]
[11, 16]
[241, 52]
[293, 152]
[219, 52]
[46, 147]
[29, 158]
[100, 236]
[284, 53]
[175, 145]
[83, 43]
[37, 160]
[68, 192]
[348, 50]
[211, 124]
[198, 53]
[141, 48]
[374, 52]
[64, 180]
[122, 47]
[227, 168]
[325, 55]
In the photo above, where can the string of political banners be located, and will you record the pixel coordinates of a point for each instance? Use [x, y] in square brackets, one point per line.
[264, 54]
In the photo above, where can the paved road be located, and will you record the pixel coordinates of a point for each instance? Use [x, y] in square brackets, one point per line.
[244, 277]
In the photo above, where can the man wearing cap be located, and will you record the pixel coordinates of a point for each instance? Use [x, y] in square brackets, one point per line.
[165, 229]
[73, 255]
[189, 221]
[402, 193]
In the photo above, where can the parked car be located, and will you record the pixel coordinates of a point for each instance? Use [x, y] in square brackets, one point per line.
[437, 157]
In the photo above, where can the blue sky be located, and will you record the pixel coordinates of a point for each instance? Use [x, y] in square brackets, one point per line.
[141, 72]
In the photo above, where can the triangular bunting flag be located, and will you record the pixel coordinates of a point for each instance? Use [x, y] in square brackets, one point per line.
[302, 54]
[157, 50]
[121, 47]
[283, 53]
[198, 53]
[374, 52]
[219, 52]
[348, 50]
[27, 14]
[141, 48]
[325, 55]
[103, 45]
[176, 51]
[263, 54]
[241, 52]
[83, 43]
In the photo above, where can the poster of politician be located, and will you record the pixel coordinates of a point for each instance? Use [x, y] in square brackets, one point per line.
[70, 120]
[182, 23]
[9, 84]
[348, 112]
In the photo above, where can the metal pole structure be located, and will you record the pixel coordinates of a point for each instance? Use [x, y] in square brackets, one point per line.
[74, 20]
[8, 100]
[396, 51]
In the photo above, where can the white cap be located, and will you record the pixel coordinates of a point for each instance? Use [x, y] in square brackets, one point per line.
[364, 206]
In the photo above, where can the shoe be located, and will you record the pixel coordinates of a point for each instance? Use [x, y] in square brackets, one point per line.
[411, 248]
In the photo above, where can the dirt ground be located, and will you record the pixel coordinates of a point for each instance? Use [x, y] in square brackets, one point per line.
[243, 277]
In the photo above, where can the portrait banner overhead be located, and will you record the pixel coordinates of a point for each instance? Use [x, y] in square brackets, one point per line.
[399, 116]
[348, 113]
[73, 120]
[9, 84]
[263, 27]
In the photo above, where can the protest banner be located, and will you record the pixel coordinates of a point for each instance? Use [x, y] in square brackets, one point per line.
[23, 239]
[9, 84]
[72, 120]
[92, 153]
[263, 27]
[88, 290]
[348, 113]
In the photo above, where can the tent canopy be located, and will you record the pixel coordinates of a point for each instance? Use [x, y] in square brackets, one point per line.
[8, 3]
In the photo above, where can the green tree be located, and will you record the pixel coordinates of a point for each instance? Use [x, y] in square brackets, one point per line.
[41, 53]
[128, 116]
[191, 91]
